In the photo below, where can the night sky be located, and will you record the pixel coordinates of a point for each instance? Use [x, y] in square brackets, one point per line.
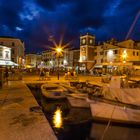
[34, 21]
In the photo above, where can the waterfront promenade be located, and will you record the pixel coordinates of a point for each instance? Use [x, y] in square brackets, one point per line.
[17, 120]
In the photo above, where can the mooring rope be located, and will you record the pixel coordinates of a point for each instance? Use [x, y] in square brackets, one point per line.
[108, 124]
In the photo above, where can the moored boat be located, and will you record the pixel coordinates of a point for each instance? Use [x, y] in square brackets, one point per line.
[116, 103]
[116, 113]
[76, 94]
[53, 91]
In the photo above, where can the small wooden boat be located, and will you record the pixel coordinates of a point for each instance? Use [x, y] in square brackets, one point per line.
[75, 96]
[78, 100]
[53, 91]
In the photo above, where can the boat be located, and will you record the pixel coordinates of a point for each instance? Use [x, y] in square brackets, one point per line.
[53, 91]
[116, 103]
[76, 94]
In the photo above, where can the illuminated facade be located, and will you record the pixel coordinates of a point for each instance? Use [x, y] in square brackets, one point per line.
[125, 53]
[32, 60]
[5, 56]
[73, 57]
[50, 59]
[17, 49]
[87, 46]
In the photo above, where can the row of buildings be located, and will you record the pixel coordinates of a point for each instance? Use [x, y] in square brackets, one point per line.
[109, 54]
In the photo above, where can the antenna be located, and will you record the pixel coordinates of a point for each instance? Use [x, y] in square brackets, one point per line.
[132, 26]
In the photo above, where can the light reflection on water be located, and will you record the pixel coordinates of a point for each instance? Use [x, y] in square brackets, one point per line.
[57, 118]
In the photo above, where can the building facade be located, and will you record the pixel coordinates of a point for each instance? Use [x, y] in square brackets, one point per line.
[17, 49]
[118, 54]
[32, 60]
[73, 58]
[5, 56]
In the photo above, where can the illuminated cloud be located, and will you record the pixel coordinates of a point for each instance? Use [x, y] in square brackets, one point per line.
[19, 29]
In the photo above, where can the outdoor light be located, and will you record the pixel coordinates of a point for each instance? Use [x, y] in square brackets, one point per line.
[51, 62]
[110, 56]
[58, 50]
[110, 52]
[65, 62]
[124, 55]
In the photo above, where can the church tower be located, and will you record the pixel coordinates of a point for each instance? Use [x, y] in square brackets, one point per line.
[87, 45]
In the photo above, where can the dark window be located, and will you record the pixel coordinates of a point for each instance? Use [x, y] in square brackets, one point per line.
[101, 53]
[6, 54]
[13, 43]
[0, 53]
[95, 53]
[13, 59]
[137, 53]
[95, 61]
[133, 53]
[1, 43]
[115, 51]
[101, 60]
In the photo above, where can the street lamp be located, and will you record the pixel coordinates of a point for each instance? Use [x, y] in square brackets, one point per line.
[58, 48]
[58, 54]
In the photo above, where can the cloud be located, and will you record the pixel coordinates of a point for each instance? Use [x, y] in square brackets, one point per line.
[35, 20]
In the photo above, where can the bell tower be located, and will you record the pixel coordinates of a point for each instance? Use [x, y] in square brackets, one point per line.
[87, 46]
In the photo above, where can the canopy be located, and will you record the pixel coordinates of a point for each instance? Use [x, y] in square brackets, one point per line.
[7, 63]
[137, 67]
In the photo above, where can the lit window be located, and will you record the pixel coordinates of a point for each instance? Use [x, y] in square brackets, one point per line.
[0, 53]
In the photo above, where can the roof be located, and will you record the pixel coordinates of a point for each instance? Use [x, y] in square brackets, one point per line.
[11, 37]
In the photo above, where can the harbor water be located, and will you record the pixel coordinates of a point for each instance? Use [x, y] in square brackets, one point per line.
[71, 123]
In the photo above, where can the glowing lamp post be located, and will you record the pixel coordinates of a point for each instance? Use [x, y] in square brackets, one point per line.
[58, 54]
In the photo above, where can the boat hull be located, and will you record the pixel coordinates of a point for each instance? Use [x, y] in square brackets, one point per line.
[102, 111]
[78, 102]
[53, 92]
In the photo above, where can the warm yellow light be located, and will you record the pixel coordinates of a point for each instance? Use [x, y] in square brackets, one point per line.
[58, 50]
[57, 118]
[124, 55]
[80, 60]
[124, 61]
[110, 53]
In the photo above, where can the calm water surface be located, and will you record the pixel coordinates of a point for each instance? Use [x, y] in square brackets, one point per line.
[76, 124]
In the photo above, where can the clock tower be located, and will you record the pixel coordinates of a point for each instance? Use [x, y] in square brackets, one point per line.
[87, 45]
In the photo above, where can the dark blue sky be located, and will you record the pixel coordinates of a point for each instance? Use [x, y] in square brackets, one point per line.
[34, 21]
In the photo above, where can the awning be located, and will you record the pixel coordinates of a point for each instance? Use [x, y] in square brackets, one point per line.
[136, 67]
[7, 63]
[98, 66]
